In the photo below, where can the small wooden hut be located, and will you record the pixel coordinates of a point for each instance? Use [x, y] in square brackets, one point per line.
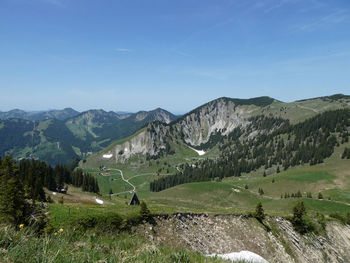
[134, 200]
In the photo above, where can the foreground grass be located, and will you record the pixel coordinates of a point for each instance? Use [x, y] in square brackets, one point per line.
[70, 246]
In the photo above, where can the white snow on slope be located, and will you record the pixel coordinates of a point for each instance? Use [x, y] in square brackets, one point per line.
[107, 156]
[99, 201]
[200, 152]
[243, 256]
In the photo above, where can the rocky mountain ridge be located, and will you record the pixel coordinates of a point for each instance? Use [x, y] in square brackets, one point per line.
[202, 127]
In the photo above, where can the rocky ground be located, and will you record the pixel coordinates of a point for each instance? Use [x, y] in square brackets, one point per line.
[230, 233]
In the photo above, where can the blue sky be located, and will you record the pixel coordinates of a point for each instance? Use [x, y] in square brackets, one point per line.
[133, 55]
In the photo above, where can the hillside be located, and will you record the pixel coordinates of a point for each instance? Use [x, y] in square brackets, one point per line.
[206, 126]
[254, 154]
[203, 175]
[60, 141]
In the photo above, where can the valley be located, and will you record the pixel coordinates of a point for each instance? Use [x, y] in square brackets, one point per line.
[174, 131]
[228, 193]
[203, 174]
[59, 138]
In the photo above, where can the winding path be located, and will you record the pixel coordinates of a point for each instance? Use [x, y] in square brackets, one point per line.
[126, 181]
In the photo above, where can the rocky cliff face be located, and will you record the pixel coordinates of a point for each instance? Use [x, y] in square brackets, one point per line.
[229, 233]
[151, 140]
[195, 128]
[221, 115]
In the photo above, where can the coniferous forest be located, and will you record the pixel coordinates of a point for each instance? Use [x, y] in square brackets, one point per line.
[35, 175]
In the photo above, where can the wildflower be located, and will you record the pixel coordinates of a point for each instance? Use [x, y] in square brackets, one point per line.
[61, 230]
[21, 226]
[55, 233]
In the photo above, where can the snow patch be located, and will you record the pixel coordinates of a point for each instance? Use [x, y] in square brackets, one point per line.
[200, 152]
[99, 201]
[54, 193]
[241, 256]
[107, 156]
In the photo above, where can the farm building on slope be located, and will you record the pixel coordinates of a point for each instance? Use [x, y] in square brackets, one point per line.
[134, 200]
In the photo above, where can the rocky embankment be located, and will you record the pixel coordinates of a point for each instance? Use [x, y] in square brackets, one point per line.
[221, 234]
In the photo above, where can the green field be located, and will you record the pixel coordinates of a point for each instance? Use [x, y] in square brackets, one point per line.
[331, 179]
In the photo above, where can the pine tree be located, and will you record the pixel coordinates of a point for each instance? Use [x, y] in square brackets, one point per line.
[298, 220]
[144, 211]
[13, 206]
[259, 212]
[299, 195]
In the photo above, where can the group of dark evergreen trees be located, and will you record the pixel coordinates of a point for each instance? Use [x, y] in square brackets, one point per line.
[86, 181]
[13, 205]
[36, 175]
[23, 183]
[278, 143]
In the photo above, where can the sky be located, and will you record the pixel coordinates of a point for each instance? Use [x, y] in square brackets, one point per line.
[125, 55]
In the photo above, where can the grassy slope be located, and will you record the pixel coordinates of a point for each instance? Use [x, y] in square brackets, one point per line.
[25, 246]
[332, 179]
[301, 110]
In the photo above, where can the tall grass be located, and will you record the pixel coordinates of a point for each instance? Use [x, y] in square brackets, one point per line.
[69, 246]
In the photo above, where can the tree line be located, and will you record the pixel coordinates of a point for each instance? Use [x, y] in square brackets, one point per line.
[35, 175]
[86, 181]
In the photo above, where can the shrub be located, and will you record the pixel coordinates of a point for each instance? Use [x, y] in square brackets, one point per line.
[180, 257]
[144, 211]
[301, 222]
[103, 222]
[259, 212]
[343, 219]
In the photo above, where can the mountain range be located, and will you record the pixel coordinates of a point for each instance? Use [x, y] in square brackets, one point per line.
[204, 127]
[39, 115]
[59, 136]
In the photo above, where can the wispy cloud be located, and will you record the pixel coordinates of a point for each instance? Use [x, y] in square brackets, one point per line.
[296, 65]
[271, 5]
[335, 17]
[60, 59]
[200, 32]
[182, 53]
[54, 2]
[123, 50]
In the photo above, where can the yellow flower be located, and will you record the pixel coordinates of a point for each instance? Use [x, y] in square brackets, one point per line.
[55, 233]
[21, 226]
[61, 230]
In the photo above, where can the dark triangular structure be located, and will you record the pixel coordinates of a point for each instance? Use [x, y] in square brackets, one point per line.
[134, 200]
